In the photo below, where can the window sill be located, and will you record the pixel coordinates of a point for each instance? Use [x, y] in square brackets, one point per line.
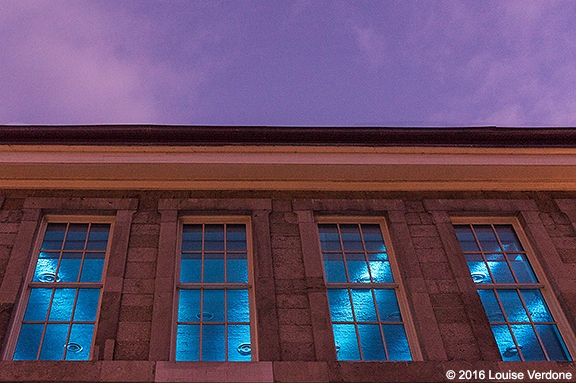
[234, 372]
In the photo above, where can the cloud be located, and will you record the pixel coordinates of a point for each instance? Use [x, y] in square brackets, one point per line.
[369, 40]
[304, 62]
[371, 43]
[76, 62]
[509, 115]
[58, 57]
[514, 69]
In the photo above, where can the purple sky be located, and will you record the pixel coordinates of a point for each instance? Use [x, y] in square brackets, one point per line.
[288, 62]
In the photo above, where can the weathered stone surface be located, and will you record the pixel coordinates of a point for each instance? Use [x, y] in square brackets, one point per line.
[294, 336]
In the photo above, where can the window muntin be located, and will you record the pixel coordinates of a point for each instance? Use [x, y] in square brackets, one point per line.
[63, 295]
[367, 319]
[214, 314]
[513, 296]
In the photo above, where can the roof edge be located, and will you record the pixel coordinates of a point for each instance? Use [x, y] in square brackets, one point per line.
[205, 135]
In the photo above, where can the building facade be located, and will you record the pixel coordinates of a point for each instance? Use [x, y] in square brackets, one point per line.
[267, 254]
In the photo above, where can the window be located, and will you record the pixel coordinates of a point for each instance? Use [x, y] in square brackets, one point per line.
[63, 292]
[366, 304]
[214, 293]
[513, 294]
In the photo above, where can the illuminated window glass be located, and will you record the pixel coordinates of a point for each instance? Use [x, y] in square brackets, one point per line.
[213, 319]
[367, 320]
[64, 293]
[521, 320]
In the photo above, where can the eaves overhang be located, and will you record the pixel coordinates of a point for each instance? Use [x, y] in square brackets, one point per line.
[277, 159]
[177, 135]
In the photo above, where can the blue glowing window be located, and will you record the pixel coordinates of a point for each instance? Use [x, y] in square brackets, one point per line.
[213, 321]
[64, 293]
[366, 317]
[521, 321]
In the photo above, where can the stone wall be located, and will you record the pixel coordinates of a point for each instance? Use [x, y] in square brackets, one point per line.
[295, 341]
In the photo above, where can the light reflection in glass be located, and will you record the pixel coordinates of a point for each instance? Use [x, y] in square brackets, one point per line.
[213, 321]
[521, 321]
[58, 323]
[366, 321]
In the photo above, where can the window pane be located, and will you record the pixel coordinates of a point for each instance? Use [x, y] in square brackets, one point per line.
[54, 342]
[214, 267]
[28, 342]
[553, 342]
[191, 267]
[396, 342]
[192, 238]
[513, 307]
[213, 310]
[78, 347]
[213, 346]
[98, 239]
[371, 341]
[340, 308]
[346, 342]
[373, 238]
[69, 267]
[329, 239]
[387, 305]
[189, 306]
[488, 241]
[364, 305]
[38, 304]
[238, 306]
[46, 267]
[334, 267]
[239, 347]
[357, 267]
[351, 237]
[236, 268]
[499, 268]
[76, 237]
[54, 236]
[536, 306]
[478, 269]
[187, 343]
[380, 268]
[508, 238]
[62, 305]
[92, 267]
[87, 305]
[466, 238]
[235, 238]
[214, 238]
[522, 269]
[528, 343]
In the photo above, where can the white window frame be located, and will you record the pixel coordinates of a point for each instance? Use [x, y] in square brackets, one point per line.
[397, 286]
[542, 285]
[29, 284]
[202, 220]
